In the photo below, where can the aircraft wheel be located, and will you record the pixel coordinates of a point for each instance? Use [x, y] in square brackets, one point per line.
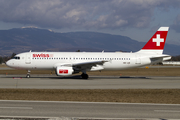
[28, 76]
[84, 76]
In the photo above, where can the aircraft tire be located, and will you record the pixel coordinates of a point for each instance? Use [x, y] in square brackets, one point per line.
[28, 76]
[84, 76]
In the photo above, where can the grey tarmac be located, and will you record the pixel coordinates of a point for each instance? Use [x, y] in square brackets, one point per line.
[89, 110]
[94, 82]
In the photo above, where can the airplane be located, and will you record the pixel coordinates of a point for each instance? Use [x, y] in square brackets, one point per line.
[68, 63]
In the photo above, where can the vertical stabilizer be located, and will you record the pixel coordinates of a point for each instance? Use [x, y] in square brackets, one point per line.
[157, 42]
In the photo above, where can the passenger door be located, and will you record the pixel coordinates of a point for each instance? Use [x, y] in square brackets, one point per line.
[28, 58]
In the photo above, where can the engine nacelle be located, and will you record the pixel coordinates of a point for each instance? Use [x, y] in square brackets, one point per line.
[64, 71]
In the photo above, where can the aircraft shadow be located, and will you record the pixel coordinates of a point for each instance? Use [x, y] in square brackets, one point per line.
[77, 77]
[129, 77]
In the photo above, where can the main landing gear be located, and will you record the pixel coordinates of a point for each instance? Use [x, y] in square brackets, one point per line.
[84, 76]
[28, 74]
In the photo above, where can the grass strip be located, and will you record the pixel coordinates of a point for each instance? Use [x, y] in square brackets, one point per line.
[166, 96]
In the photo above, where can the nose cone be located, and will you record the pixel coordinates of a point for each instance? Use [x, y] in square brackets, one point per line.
[9, 63]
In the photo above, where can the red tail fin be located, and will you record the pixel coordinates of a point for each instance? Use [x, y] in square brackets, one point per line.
[157, 41]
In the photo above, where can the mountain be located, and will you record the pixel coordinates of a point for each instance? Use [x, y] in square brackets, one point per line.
[19, 40]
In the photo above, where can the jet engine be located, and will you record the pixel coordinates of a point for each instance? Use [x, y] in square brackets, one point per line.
[64, 71]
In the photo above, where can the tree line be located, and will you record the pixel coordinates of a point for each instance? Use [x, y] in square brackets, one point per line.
[6, 58]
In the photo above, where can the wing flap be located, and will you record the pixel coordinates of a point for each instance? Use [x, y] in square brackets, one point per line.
[94, 65]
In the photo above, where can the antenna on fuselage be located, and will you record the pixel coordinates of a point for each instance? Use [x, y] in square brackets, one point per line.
[30, 51]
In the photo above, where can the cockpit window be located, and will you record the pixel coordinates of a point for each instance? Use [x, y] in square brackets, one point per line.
[16, 57]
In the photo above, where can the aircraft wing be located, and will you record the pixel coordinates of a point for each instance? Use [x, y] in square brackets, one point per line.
[94, 65]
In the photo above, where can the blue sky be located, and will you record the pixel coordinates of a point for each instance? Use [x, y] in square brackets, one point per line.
[137, 19]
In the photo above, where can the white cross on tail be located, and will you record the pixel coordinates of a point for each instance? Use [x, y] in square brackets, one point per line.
[158, 40]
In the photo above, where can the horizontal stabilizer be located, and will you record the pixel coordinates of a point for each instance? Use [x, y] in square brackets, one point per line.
[156, 59]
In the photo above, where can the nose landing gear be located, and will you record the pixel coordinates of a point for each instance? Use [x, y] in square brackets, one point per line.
[28, 74]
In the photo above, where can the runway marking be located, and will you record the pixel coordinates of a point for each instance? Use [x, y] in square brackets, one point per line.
[29, 117]
[166, 111]
[80, 102]
[29, 108]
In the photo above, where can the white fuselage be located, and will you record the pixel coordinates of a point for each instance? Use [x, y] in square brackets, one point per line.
[50, 60]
